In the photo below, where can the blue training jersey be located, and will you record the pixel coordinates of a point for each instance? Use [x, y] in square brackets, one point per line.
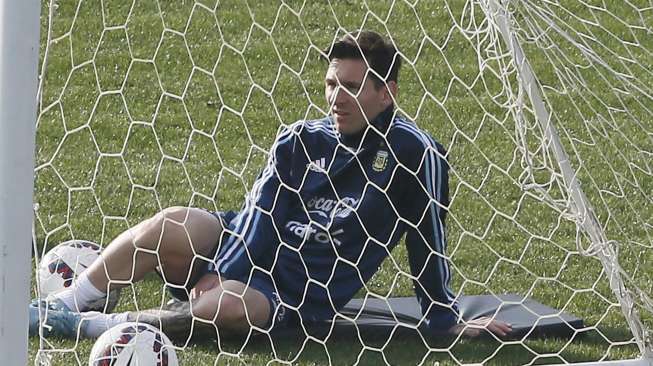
[327, 209]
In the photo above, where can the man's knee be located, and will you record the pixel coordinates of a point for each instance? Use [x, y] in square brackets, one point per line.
[170, 222]
[183, 238]
[232, 312]
[227, 312]
[233, 306]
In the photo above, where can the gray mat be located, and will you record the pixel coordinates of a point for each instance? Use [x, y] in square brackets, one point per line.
[528, 317]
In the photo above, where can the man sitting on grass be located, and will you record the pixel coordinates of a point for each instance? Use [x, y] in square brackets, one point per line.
[336, 196]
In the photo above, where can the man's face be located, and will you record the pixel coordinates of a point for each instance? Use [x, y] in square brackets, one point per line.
[353, 98]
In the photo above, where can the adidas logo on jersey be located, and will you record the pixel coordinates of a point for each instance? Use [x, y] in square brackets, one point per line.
[318, 165]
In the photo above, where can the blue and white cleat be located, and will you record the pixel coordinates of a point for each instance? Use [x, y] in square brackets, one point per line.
[54, 319]
[51, 303]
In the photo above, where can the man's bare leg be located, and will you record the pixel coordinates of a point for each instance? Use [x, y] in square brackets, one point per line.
[177, 234]
[230, 305]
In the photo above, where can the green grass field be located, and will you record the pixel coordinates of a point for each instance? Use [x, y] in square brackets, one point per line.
[156, 103]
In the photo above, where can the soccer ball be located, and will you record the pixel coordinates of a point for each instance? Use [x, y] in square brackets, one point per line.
[132, 344]
[63, 263]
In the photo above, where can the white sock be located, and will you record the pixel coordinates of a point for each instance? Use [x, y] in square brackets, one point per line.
[81, 294]
[98, 323]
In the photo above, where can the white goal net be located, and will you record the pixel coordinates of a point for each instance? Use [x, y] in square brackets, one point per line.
[544, 108]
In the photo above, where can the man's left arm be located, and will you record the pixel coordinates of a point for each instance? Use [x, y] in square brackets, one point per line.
[426, 243]
[427, 252]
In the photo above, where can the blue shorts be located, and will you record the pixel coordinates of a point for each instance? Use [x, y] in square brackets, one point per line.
[280, 315]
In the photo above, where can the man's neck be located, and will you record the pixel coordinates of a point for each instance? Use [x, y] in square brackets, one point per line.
[380, 122]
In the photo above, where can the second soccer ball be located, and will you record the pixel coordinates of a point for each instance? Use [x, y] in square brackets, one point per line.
[131, 344]
[62, 265]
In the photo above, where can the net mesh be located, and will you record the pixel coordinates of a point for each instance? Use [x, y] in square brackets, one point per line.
[148, 104]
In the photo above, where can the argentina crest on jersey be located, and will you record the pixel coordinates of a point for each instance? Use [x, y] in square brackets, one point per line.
[380, 161]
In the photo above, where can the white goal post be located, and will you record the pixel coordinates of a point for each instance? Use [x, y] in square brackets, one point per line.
[19, 50]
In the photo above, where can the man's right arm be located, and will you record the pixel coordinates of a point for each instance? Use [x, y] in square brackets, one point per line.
[253, 233]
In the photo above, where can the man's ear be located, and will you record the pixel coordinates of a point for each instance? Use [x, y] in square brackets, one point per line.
[391, 90]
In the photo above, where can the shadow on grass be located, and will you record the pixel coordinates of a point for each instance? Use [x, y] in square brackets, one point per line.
[406, 347]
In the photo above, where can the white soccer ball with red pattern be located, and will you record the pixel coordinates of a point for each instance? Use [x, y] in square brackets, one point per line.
[62, 265]
[131, 344]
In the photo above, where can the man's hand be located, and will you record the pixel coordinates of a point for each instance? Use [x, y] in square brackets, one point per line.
[208, 282]
[473, 328]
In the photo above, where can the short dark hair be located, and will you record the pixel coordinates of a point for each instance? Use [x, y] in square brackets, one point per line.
[381, 55]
